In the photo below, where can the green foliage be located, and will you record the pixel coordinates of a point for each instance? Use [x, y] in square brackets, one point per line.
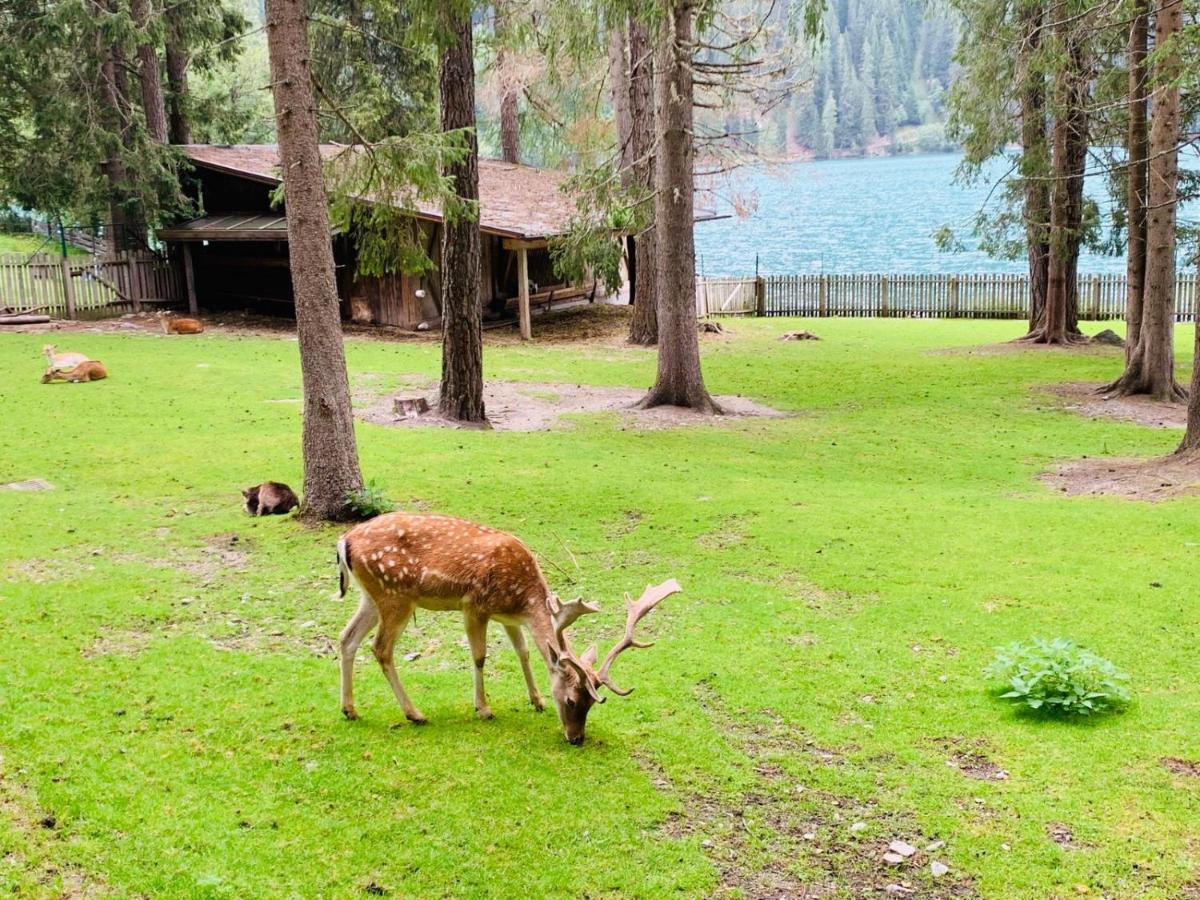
[377, 192]
[1059, 677]
[369, 501]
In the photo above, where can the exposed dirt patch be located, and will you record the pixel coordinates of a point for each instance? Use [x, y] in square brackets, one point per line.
[780, 840]
[1063, 836]
[39, 829]
[598, 323]
[118, 642]
[1152, 480]
[1083, 397]
[540, 406]
[971, 759]
[1013, 347]
[1186, 767]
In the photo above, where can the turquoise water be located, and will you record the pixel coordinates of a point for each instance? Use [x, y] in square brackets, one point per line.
[858, 215]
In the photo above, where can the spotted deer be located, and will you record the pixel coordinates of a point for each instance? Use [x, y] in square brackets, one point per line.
[402, 561]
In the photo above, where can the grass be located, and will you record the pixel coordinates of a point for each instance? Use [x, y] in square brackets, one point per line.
[168, 695]
[34, 243]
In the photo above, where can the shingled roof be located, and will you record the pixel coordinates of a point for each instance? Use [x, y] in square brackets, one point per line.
[514, 201]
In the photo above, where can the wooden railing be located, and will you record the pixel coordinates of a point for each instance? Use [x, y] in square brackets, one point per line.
[88, 287]
[916, 296]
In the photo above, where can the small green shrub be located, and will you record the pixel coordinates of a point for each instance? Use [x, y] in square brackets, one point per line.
[1059, 676]
[369, 501]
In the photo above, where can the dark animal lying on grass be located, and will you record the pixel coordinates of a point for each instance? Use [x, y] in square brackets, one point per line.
[91, 370]
[270, 499]
[401, 561]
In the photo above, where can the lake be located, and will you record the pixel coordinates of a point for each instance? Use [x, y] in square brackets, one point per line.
[858, 215]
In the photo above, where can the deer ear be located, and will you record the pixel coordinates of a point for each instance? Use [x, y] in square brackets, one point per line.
[555, 656]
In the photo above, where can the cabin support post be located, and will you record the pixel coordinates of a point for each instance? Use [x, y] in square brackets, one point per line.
[523, 293]
[189, 278]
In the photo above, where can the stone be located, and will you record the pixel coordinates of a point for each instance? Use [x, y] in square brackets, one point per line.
[893, 859]
[32, 484]
[1109, 337]
[798, 336]
[935, 846]
[938, 868]
[901, 848]
[858, 826]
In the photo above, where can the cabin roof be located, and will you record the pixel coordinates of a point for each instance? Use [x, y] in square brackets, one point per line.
[515, 201]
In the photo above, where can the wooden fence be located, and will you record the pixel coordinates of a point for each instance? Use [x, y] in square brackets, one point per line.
[87, 287]
[916, 296]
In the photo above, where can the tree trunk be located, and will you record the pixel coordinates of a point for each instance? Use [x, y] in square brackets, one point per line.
[1136, 170]
[643, 328]
[1059, 320]
[680, 381]
[1191, 437]
[115, 172]
[618, 79]
[510, 123]
[1151, 368]
[179, 125]
[331, 469]
[149, 74]
[462, 316]
[1035, 164]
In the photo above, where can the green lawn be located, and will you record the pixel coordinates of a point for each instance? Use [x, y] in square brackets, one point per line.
[168, 694]
[34, 243]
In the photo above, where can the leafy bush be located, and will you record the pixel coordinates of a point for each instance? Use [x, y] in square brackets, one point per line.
[369, 501]
[1059, 676]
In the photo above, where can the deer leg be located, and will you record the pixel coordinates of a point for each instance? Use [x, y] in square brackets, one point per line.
[477, 638]
[393, 623]
[352, 635]
[517, 636]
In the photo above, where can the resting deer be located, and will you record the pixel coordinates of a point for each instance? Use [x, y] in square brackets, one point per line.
[61, 362]
[179, 325]
[89, 370]
[401, 561]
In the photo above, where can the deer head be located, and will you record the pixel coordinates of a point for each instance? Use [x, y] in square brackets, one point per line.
[576, 680]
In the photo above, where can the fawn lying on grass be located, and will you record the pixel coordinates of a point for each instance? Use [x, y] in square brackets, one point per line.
[179, 325]
[89, 370]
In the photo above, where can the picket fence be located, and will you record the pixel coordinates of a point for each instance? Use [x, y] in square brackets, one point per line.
[980, 296]
[87, 286]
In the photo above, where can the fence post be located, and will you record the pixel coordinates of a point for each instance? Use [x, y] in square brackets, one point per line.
[1095, 297]
[189, 278]
[953, 301]
[64, 269]
[883, 296]
[760, 296]
[823, 296]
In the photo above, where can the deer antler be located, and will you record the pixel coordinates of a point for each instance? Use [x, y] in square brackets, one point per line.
[650, 598]
[564, 614]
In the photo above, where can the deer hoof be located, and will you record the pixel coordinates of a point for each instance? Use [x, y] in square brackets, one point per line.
[538, 705]
[418, 719]
[485, 713]
[350, 713]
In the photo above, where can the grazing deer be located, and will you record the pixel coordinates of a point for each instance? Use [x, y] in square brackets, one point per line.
[61, 362]
[178, 325]
[89, 370]
[401, 561]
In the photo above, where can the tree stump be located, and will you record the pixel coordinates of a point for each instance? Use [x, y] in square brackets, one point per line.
[410, 407]
[799, 336]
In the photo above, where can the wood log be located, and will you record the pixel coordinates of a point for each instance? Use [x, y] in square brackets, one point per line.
[24, 320]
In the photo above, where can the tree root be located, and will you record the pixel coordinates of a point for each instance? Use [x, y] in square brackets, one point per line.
[700, 401]
[1042, 335]
[1134, 384]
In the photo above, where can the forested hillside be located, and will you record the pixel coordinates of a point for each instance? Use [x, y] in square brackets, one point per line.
[877, 83]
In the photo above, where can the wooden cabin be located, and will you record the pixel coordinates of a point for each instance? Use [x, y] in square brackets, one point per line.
[236, 254]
